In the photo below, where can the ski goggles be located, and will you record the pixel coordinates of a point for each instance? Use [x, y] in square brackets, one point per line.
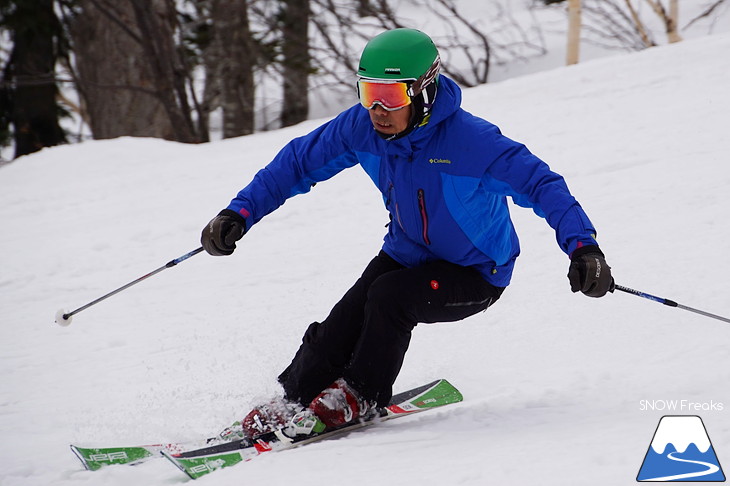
[391, 95]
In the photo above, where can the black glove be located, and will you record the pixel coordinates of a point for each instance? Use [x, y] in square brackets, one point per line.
[219, 237]
[589, 272]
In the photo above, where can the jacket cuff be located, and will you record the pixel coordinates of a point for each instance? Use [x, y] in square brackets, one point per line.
[229, 213]
[585, 250]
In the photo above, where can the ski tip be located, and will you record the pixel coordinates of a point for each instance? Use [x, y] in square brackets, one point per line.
[453, 392]
[435, 394]
[199, 465]
[171, 457]
[94, 458]
[80, 456]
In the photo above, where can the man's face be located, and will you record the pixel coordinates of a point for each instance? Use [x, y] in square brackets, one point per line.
[390, 122]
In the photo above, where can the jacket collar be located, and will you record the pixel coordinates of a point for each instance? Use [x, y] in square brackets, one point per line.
[448, 101]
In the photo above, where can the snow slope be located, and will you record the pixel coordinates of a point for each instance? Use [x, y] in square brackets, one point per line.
[556, 385]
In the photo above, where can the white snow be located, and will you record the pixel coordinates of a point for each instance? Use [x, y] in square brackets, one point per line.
[552, 381]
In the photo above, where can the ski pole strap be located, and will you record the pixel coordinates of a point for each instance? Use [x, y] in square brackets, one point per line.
[670, 303]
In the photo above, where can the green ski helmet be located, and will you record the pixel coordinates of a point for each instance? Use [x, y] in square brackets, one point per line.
[399, 54]
[406, 55]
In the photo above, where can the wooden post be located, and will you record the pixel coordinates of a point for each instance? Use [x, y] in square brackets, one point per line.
[573, 50]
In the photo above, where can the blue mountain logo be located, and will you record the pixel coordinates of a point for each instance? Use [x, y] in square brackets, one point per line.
[681, 451]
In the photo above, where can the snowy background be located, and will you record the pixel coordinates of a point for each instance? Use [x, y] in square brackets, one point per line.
[553, 382]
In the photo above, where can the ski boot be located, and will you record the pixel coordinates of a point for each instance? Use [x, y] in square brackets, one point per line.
[340, 404]
[268, 417]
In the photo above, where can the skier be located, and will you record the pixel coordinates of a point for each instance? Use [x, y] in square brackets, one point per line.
[450, 247]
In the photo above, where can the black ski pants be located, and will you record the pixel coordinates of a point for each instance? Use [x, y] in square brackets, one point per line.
[366, 335]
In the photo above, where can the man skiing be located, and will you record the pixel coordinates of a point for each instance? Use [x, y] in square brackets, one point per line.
[450, 247]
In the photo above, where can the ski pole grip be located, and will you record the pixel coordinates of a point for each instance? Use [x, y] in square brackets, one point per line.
[177, 260]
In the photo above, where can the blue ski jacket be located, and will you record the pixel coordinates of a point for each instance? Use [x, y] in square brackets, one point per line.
[445, 185]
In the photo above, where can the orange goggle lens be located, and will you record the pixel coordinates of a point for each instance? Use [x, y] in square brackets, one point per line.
[391, 96]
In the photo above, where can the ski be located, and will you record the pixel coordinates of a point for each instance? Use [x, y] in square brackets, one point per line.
[94, 458]
[432, 395]
[199, 462]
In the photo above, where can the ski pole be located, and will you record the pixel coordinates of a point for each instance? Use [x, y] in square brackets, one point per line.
[64, 318]
[670, 303]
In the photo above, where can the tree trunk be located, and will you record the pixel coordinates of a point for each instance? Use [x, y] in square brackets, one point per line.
[296, 65]
[31, 71]
[129, 72]
[115, 81]
[639, 25]
[670, 18]
[573, 50]
[673, 23]
[156, 23]
[236, 53]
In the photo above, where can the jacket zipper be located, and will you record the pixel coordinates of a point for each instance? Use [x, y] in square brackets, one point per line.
[387, 198]
[424, 215]
[388, 201]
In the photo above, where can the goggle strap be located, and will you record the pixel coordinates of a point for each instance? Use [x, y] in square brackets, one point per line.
[425, 79]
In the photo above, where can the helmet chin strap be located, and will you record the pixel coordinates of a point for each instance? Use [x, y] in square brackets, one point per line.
[422, 104]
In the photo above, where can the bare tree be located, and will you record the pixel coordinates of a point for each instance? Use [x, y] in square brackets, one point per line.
[28, 90]
[157, 22]
[466, 38]
[708, 12]
[295, 62]
[468, 45]
[573, 50]
[234, 53]
[668, 17]
[336, 37]
[198, 46]
[619, 24]
[129, 72]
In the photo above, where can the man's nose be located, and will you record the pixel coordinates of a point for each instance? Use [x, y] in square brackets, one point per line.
[379, 110]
